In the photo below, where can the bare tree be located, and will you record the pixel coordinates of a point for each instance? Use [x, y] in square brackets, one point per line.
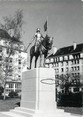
[8, 66]
[13, 26]
[65, 81]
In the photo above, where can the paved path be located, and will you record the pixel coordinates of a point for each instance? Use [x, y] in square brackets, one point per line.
[2, 115]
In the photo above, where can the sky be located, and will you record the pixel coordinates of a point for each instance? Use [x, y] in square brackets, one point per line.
[64, 19]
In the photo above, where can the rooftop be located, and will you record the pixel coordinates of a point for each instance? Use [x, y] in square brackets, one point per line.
[68, 50]
[4, 35]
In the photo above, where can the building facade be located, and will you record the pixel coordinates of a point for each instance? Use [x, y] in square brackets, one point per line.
[67, 61]
[13, 60]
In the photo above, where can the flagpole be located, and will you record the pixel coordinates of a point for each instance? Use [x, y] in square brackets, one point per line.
[47, 26]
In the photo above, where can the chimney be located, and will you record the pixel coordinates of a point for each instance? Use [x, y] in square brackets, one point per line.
[74, 45]
[54, 50]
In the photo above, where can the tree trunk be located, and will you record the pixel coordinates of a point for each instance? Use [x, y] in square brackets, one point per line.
[5, 87]
[4, 91]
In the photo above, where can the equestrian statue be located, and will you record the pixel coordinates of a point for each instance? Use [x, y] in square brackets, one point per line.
[41, 47]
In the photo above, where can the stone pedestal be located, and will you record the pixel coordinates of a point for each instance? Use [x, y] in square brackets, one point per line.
[38, 90]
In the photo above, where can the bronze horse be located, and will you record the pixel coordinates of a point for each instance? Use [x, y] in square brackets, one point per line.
[43, 48]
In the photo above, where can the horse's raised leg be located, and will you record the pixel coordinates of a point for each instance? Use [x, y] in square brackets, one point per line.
[45, 55]
[36, 61]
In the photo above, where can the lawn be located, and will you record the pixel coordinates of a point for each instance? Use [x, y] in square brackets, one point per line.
[10, 103]
[73, 110]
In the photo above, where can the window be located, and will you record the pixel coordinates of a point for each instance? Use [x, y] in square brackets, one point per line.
[72, 74]
[67, 69]
[65, 57]
[66, 63]
[56, 70]
[58, 58]
[6, 66]
[81, 55]
[56, 64]
[7, 50]
[5, 43]
[47, 60]
[10, 59]
[19, 61]
[62, 70]
[76, 89]
[70, 57]
[77, 61]
[50, 65]
[10, 67]
[46, 65]
[10, 85]
[72, 68]
[67, 75]
[0, 49]
[6, 59]
[55, 59]
[62, 63]
[10, 74]
[61, 58]
[19, 76]
[51, 60]
[77, 68]
[19, 68]
[74, 62]
[78, 55]
[56, 76]
[0, 58]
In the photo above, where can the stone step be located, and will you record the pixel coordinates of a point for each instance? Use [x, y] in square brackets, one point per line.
[3, 115]
[20, 112]
[10, 114]
[59, 112]
[23, 112]
[33, 111]
[76, 115]
[25, 109]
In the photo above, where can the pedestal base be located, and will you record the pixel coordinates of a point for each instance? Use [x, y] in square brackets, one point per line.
[38, 94]
[38, 89]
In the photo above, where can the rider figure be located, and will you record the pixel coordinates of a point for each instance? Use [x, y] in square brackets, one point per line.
[38, 38]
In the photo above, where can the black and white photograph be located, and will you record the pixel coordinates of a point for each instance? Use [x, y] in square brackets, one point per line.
[41, 58]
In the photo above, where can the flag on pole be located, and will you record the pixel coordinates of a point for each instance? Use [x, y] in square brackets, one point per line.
[45, 26]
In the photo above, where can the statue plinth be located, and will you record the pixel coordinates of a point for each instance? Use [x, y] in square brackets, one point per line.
[38, 92]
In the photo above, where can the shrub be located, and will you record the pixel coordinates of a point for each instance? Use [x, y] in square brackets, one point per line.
[1, 90]
[13, 94]
[70, 100]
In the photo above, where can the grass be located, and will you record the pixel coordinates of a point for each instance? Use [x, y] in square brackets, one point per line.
[9, 103]
[73, 110]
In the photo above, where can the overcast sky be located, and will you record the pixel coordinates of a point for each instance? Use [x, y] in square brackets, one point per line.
[64, 19]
